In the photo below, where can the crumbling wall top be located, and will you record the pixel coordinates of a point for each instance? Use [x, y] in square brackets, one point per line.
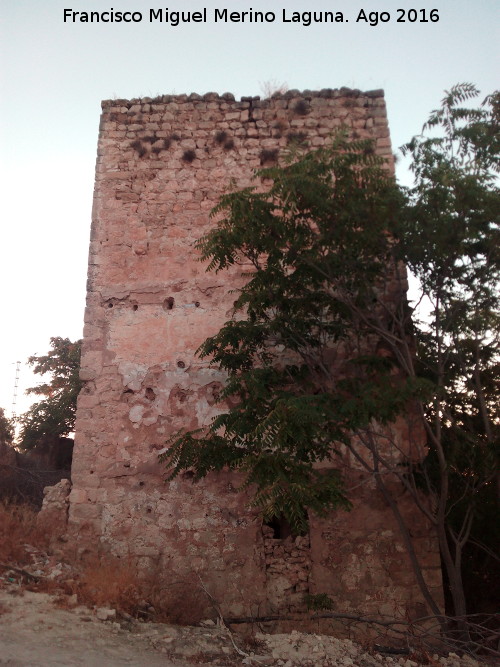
[327, 93]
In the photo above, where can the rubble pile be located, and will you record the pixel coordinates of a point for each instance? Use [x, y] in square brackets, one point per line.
[297, 649]
[288, 566]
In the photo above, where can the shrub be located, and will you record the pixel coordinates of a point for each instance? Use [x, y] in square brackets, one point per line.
[109, 582]
[299, 138]
[18, 530]
[112, 582]
[189, 155]
[221, 137]
[301, 108]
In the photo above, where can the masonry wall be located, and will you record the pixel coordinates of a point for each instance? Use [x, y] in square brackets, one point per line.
[162, 165]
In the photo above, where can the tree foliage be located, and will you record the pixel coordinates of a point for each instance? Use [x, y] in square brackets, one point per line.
[54, 415]
[322, 351]
[6, 429]
[450, 240]
[312, 244]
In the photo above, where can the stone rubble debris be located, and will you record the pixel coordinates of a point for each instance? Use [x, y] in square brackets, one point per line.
[209, 643]
[298, 649]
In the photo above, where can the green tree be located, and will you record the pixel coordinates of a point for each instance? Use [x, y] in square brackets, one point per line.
[6, 430]
[450, 240]
[54, 415]
[316, 242]
[323, 352]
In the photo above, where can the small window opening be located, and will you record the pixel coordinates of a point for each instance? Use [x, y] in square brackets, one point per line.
[281, 528]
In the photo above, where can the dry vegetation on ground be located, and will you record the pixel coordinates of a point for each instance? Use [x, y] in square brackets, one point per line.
[96, 582]
[112, 585]
[18, 530]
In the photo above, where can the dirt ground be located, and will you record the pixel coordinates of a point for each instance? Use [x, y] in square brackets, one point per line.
[36, 632]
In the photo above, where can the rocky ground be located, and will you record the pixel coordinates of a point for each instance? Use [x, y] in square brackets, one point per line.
[36, 632]
[42, 629]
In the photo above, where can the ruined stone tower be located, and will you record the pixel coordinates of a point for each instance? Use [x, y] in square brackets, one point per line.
[162, 165]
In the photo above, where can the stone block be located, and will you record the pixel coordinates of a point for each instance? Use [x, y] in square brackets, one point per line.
[84, 512]
[78, 496]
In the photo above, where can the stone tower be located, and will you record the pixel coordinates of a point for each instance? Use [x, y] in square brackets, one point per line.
[162, 165]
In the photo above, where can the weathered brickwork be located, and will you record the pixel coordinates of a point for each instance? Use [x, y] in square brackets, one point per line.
[162, 165]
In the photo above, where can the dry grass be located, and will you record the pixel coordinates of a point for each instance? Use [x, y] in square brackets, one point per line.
[272, 87]
[114, 583]
[100, 582]
[18, 528]
[111, 583]
[181, 603]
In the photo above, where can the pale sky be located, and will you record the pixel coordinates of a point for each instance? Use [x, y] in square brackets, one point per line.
[54, 75]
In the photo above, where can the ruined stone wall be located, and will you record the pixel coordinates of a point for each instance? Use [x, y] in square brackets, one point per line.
[162, 165]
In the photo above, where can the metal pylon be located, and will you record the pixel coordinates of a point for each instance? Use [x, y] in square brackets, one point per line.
[14, 395]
